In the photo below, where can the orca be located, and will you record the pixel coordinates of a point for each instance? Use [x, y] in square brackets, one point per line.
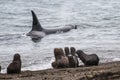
[39, 32]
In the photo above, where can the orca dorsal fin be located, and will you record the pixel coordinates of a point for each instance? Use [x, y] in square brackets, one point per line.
[36, 26]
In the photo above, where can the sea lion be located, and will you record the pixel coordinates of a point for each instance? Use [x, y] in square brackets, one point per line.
[58, 52]
[0, 68]
[61, 61]
[15, 66]
[73, 61]
[75, 57]
[17, 57]
[88, 60]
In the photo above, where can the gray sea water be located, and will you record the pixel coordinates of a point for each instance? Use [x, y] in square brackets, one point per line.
[98, 30]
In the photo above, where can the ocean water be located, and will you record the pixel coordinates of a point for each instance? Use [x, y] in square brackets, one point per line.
[98, 30]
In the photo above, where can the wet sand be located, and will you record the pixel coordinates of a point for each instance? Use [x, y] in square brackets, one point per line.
[104, 71]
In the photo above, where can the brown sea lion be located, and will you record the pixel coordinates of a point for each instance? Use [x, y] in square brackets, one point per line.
[17, 58]
[61, 61]
[73, 61]
[75, 57]
[15, 66]
[58, 52]
[88, 60]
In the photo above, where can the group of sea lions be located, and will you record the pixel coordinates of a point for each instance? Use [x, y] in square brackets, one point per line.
[68, 58]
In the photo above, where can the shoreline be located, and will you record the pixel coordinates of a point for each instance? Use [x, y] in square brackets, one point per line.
[104, 71]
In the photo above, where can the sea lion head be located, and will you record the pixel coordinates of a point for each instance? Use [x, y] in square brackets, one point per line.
[72, 51]
[62, 52]
[67, 52]
[58, 52]
[79, 52]
[16, 57]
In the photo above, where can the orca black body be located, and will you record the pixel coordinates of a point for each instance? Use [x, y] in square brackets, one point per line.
[39, 32]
